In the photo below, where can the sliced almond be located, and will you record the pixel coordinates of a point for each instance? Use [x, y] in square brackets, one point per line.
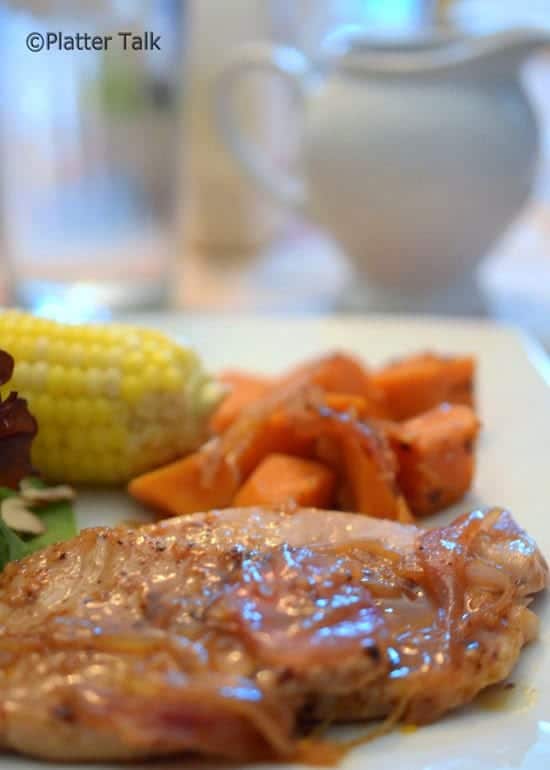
[41, 496]
[17, 516]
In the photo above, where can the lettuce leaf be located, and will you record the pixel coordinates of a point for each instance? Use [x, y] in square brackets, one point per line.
[11, 545]
[59, 520]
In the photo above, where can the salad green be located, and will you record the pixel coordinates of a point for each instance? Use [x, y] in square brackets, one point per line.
[59, 522]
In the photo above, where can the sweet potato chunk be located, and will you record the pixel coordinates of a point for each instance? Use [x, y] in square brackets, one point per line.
[414, 385]
[211, 477]
[336, 373]
[435, 453]
[184, 487]
[370, 483]
[282, 479]
[360, 454]
[340, 373]
[245, 389]
[343, 402]
[277, 433]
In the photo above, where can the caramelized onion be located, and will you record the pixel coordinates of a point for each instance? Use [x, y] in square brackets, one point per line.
[486, 576]
[374, 547]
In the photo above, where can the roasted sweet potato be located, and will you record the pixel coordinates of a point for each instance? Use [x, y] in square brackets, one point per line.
[185, 487]
[371, 482]
[361, 455]
[357, 406]
[435, 454]
[297, 423]
[276, 433]
[336, 373]
[211, 477]
[340, 373]
[330, 411]
[414, 385]
[282, 480]
[244, 389]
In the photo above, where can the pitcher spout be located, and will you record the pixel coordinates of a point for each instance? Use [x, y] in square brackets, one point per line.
[505, 52]
[499, 54]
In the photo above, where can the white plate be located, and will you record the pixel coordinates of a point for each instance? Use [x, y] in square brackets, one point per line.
[513, 471]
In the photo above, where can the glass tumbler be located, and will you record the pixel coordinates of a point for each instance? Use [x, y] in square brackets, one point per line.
[89, 155]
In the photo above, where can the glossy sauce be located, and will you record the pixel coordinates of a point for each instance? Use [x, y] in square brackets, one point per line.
[238, 622]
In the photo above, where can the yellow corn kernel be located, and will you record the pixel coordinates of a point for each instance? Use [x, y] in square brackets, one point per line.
[111, 401]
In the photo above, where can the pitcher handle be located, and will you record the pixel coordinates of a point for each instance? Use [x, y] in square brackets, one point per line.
[288, 64]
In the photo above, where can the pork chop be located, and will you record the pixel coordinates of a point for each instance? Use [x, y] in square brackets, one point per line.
[227, 633]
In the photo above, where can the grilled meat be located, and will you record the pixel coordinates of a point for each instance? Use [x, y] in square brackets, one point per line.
[226, 633]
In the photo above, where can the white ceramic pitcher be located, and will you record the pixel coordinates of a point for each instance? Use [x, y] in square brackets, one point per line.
[415, 157]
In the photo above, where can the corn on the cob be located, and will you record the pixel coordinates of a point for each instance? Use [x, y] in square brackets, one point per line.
[111, 401]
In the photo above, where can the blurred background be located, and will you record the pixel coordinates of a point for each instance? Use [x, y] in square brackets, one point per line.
[288, 156]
